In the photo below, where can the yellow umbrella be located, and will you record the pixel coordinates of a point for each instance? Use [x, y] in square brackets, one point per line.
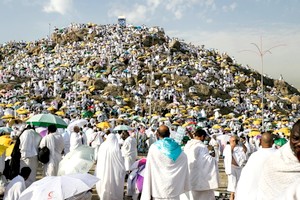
[211, 118]
[5, 140]
[9, 150]
[2, 149]
[257, 122]
[227, 129]
[92, 88]
[17, 103]
[168, 115]
[13, 121]
[103, 125]
[9, 105]
[56, 68]
[183, 111]
[254, 132]
[60, 113]
[7, 117]
[22, 111]
[216, 126]
[162, 119]
[51, 108]
[176, 123]
[65, 65]
[285, 130]
[126, 99]
[98, 112]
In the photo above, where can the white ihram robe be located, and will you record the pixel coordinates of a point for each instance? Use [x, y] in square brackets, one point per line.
[129, 151]
[55, 143]
[203, 170]
[279, 172]
[29, 142]
[164, 178]
[247, 186]
[14, 188]
[110, 170]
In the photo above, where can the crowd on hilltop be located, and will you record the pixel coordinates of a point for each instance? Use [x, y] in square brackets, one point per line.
[139, 77]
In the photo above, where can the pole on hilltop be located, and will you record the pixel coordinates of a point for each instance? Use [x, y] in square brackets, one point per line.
[261, 53]
[49, 31]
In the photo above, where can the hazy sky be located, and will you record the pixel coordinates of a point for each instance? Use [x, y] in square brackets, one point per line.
[229, 26]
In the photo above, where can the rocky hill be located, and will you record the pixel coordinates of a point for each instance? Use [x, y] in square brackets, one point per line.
[113, 61]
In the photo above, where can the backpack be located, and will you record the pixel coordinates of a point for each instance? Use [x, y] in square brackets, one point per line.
[44, 155]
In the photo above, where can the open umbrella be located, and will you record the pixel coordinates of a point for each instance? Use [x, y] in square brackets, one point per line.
[285, 130]
[79, 122]
[8, 116]
[2, 149]
[216, 126]
[103, 125]
[254, 132]
[87, 114]
[6, 143]
[44, 120]
[280, 142]
[122, 128]
[80, 160]
[59, 187]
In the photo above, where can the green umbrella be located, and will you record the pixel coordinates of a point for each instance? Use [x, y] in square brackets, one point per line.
[44, 120]
[87, 114]
[280, 142]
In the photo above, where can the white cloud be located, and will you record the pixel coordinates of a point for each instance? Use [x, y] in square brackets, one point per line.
[58, 6]
[137, 14]
[229, 8]
[144, 11]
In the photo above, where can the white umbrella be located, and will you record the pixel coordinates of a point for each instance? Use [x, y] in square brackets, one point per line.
[122, 128]
[80, 160]
[78, 122]
[59, 187]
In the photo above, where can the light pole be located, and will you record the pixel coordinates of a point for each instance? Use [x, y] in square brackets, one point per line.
[261, 53]
[49, 31]
[150, 92]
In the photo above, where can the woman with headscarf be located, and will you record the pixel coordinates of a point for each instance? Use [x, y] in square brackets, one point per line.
[110, 170]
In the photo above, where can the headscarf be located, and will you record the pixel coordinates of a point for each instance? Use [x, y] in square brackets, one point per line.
[169, 147]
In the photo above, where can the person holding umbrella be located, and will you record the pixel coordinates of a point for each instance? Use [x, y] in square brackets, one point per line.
[55, 143]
